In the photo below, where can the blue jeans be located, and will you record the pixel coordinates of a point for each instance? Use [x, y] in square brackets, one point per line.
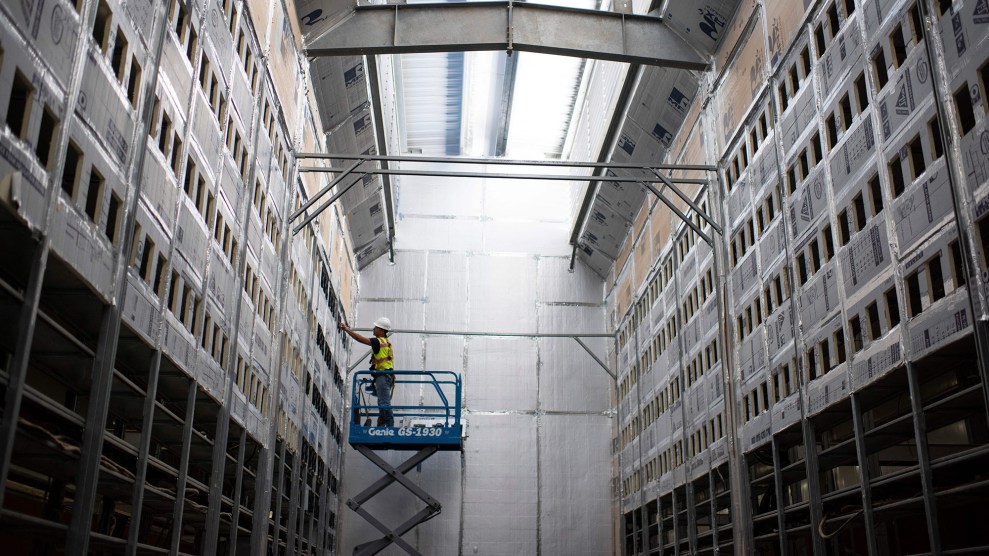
[382, 385]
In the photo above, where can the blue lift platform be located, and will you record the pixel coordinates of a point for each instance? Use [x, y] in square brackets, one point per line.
[425, 429]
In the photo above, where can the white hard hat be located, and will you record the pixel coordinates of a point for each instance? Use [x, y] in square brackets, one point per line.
[383, 323]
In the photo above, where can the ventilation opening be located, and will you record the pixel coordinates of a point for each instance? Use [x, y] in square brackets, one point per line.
[879, 65]
[872, 315]
[858, 203]
[94, 195]
[915, 23]
[846, 112]
[113, 218]
[73, 168]
[936, 276]
[145, 267]
[833, 21]
[896, 176]
[19, 107]
[984, 76]
[819, 40]
[134, 83]
[892, 307]
[828, 243]
[861, 93]
[832, 128]
[856, 328]
[935, 130]
[46, 136]
[101, 25]
[844, 233]
[957, 266]
[159, 275]
[815, 255]
[917, 162]
[966, 116]
[899, 45]
[817, 152]
[913, 294]
[876, 192]
[119, 59]
[983, 225]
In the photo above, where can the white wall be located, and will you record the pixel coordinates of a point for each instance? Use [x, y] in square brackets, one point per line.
[534, 478]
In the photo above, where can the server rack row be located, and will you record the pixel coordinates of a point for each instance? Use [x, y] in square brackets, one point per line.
[854, 292]
[164, 388]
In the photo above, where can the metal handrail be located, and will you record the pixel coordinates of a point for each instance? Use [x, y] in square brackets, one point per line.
[437, 379]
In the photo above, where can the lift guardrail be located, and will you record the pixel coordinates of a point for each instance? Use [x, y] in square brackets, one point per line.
[435, 423]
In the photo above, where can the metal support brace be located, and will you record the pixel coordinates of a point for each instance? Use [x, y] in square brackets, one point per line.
[326, 189]
[924, 458]
[325, 205]
[596, 358]
[394, 474]
[864, 475]
[693, 226]
[707, 218]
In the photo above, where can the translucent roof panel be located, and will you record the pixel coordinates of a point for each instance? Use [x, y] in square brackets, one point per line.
[432, 88]
[546, 89]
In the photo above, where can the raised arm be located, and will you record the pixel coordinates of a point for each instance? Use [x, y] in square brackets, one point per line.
[360, 338]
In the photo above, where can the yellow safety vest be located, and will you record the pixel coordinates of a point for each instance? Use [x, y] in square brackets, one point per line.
[383, 360]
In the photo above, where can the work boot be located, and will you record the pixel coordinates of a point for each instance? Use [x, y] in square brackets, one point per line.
[381, 422]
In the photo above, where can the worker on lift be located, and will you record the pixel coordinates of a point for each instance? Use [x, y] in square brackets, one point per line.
[381, 360]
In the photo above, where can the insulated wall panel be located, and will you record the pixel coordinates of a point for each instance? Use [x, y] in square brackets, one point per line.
[503, 374]
[513, 307]
[500, 513]
[571, 469]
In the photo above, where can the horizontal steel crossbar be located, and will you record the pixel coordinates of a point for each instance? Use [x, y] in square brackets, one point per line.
[507, 26]
[492, 175]
[506, 162]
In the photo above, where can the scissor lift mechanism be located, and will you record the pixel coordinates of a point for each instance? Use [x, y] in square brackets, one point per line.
[444, 434]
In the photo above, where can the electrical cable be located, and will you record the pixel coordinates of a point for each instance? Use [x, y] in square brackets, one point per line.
[849, 519]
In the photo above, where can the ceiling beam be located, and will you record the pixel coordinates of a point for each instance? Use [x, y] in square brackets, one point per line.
[382, 142]
[461, 27]
[607, 146]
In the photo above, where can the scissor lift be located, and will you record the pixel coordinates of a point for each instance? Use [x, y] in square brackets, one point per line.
[427, 429]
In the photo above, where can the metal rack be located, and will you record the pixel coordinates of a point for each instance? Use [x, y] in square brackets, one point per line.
[149, 405]
[860, 382]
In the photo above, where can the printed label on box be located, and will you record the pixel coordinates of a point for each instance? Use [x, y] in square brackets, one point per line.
[939, 324]
[780, 328]
[879, 358]
[911, 88]
[862, 260]
[844, 52]
[757, 431]
[786, 413]
[819, 298]
[772, 245]
[827, 390]
[799, 118]
[808, 204]
[975, 155]
[739, 202]
[858, 146]
[744, 277]
[924, 204]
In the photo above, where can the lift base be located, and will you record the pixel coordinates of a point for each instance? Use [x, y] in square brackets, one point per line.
[393, 474]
